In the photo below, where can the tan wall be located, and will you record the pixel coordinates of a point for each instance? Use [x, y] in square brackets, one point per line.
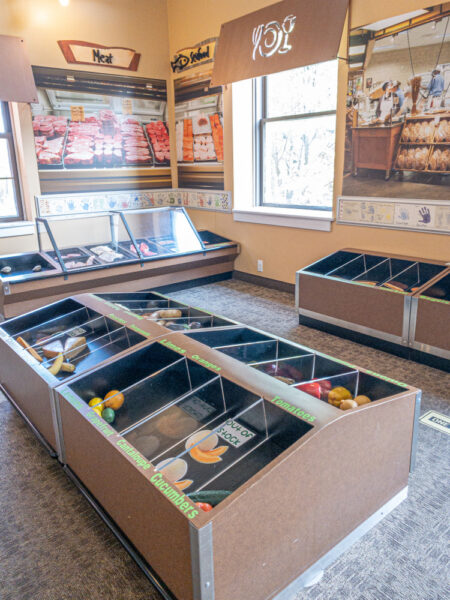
[138, 24]
[142, 24]
[283, 249]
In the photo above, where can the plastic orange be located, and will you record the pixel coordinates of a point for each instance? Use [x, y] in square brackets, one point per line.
[114, 399]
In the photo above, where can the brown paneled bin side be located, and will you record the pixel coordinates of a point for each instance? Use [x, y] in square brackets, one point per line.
[430, 318]
[295, 475]
[364, 292]
[26, 375]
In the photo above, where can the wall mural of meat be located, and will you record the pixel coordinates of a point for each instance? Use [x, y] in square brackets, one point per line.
[99, 122]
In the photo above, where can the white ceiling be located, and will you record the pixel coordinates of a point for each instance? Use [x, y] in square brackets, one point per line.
[424, 35]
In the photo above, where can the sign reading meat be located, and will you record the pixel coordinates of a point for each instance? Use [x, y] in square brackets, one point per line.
[86, 53]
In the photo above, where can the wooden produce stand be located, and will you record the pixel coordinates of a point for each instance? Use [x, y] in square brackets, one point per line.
[374, 147]
[137, 236]
[110, 328]
[276, 528]
[363, 295]
[429, 337]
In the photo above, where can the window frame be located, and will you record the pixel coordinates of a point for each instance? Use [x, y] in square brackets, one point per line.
[260, 119]
[8, 135]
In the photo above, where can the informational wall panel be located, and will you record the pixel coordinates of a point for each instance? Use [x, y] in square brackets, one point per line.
[416, 215]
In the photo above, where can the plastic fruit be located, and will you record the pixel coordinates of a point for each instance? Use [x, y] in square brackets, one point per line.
[109, 415]
[114, 399]
[347, 404]
[337, 395]
[207, 457]
[208, 443]
[360, 400]
[182, 485]
[98, 410]
[95, 401]
[204, 506]
[174, 470]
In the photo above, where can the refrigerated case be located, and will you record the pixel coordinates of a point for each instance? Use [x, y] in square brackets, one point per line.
[131, 250]
[364, 295]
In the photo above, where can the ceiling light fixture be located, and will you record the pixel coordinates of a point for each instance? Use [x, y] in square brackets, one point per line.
[64, 2]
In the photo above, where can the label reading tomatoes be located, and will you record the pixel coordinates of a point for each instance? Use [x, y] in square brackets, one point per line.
[234, 433]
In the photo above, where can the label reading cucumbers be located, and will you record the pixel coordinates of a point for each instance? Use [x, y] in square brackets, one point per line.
[234, 433]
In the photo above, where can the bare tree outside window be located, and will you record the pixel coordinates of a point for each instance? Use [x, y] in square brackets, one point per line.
[296, 137]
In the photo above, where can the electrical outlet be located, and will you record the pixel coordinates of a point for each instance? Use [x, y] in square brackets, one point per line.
[260, 265]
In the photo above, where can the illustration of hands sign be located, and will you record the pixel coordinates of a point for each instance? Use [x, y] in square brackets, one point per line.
[272, 38]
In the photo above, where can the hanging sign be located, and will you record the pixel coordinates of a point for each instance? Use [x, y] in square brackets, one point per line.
[199, 54]
[85, 53]
[282, 36]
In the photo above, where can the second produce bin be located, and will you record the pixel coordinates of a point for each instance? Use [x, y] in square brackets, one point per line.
[364, 295]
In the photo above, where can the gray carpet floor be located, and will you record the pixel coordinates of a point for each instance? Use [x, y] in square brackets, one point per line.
[53, 546]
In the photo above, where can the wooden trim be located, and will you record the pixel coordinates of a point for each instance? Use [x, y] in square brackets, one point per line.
[274, 284]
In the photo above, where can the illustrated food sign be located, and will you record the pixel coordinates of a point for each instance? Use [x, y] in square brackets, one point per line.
[85, 53]
[272, 38]
[282, 36]
[197, 55]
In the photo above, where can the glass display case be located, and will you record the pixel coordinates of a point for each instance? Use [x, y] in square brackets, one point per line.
[97, 240]
[112, 251]
[80, 242]
[162, 232]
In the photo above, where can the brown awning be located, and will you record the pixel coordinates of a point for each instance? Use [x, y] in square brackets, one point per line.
[282, 36]
[16, 78]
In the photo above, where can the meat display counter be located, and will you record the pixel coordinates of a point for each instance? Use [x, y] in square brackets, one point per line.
[429, 336]
[219, 476]
[364, 295]
[131, 251]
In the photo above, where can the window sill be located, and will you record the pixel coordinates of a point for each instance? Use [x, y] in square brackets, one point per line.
[286, 217]
[16, 228]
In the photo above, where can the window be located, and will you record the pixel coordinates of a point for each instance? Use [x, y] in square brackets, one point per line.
[295, 118]
[10, 201]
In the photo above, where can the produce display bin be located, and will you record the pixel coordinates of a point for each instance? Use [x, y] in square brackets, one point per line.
[191, 423]
[429, 337]
[111, 251]
[153, 306]
[30, 343]
[364, 295]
